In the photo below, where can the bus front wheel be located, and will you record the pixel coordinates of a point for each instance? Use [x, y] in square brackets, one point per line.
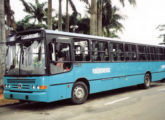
[147, 81]
[79, 93]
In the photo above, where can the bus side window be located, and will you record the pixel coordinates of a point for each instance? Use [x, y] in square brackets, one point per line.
[81, 50]
[127, 52]
[160, 53]
[142, 53]
[100, 51]
[120, 52]
[103, 51]
[134, 52]
[148, 53]
[113, 51]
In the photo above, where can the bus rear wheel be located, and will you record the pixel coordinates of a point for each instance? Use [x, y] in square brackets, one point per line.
[147, 81]
[79, 93]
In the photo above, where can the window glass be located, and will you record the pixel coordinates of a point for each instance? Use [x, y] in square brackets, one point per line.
[100, 51]
[152, 53]
[81, 50]
[26, 58]
[60, 57]
[142, 53]
[130, 52]
[116, 51]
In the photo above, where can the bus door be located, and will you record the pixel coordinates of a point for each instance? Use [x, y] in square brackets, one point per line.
[60, 62]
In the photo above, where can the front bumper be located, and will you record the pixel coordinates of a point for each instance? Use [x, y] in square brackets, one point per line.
[34, 96]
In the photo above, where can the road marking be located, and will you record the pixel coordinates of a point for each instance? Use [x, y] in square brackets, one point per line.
[116, 101]
[162, 89]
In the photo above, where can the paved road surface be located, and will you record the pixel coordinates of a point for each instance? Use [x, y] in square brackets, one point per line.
[129, 103]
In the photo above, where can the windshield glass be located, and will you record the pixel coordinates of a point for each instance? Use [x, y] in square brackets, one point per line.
[26, 58]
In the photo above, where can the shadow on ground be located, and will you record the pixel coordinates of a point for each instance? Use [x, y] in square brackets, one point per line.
[37, 106]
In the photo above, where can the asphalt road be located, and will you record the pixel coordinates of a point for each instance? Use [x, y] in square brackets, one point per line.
[131, 103]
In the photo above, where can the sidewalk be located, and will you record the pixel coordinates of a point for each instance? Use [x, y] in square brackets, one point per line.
[4, 102]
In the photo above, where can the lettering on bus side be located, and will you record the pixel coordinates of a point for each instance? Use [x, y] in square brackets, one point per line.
[101, 70]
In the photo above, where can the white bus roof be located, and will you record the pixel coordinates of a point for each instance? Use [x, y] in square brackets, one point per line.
[93, 37]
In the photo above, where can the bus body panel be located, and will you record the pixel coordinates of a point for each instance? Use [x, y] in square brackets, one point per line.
[60, 86]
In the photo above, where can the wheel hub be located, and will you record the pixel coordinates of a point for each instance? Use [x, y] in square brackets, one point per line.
[147, 80]
[79, 92]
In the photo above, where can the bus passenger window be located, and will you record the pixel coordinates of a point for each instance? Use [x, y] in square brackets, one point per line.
[81, 50]
[100, 51]
[62, 57]
[130, 52]
[142, 53]
[152, 53]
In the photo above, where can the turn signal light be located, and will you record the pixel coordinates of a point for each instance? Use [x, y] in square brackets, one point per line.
[43, 87]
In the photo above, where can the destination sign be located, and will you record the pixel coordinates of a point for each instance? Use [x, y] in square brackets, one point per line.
[30, 36]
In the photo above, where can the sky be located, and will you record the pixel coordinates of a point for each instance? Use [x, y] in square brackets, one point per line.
[140, 23]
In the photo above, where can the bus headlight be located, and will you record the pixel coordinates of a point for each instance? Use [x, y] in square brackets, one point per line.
[33, 87]
[38, 87]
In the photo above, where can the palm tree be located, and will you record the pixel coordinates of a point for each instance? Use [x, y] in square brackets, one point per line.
[111, 21]
[36, 11]
[99, 17]
[49, 14]
[73, 16]
[93, 18]
[60, 16]
[2, 40]
[161, 28]
[132, 2]
[105, 4]
[10, 21]
[25, 24]
[67, 17]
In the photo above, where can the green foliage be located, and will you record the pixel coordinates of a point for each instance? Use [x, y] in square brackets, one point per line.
[37, 11]
[24, 24]
[161, 28]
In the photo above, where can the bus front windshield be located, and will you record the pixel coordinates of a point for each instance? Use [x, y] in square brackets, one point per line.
[27, 58]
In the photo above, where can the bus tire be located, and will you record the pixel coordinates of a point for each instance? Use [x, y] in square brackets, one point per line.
[79, 93]
[147, 81]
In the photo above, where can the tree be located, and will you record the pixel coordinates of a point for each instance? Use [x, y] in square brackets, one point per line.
[49, 14]
[10, 21]
[99, 17]
[93, 17]
[60, 16]
[2, 40]
[67, 16]
[111, 21]
[25, 24]
[36, 11]
[161, 28]
[132, 2]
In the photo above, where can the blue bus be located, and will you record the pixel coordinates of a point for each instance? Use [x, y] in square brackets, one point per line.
[47, 66]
